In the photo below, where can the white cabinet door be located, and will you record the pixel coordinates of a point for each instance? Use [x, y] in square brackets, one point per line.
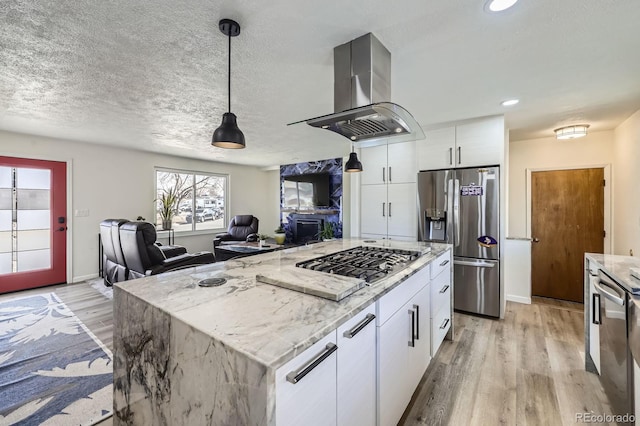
[436, 150]
[394, 391]
[374, 165]
[357, 370]
[401, 163]
[312, 399]
[480, 143]
[402, 210]
[373, 199]
[420, 354]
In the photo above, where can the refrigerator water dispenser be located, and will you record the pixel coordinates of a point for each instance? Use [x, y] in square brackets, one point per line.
[435, 222]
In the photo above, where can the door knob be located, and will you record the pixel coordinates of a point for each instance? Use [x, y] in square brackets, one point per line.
[536, 240]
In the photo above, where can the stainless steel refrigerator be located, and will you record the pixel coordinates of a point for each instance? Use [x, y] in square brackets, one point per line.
[462, 207]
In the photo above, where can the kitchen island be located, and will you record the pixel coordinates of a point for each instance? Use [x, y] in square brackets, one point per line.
[185, 354]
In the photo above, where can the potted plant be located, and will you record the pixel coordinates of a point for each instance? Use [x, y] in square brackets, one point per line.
[279, 235]
[167, 207]
[262, 239]
[326, 233]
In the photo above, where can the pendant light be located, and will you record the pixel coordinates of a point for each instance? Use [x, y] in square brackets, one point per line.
[353, 165]
[228, 135]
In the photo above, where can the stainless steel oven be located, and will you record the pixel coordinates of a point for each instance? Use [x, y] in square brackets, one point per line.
[616, 363]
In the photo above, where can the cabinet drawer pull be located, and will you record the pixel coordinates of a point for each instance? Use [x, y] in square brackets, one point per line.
[412, 342]
[444, 262]
[417, 308]
[596, 309]
[383, 179]
[383, 209]
[445, 288]
[459, 155]
[444, 324]
[389, 174]
[358, 327]
[295, 376]
[389, 208]
[450, 156]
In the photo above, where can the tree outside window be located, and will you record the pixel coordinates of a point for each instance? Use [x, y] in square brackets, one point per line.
[200, 199]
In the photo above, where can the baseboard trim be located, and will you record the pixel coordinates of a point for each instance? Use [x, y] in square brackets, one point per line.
[518, 299]
[83, 278]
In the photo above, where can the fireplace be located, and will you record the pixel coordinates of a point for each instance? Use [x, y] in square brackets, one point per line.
[306, 229]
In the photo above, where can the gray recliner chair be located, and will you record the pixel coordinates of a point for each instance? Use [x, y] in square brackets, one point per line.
[243, 227]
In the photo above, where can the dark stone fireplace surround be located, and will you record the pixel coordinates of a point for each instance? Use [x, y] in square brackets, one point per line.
[290, 220]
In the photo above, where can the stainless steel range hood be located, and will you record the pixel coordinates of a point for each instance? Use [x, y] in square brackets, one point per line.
[362, 89]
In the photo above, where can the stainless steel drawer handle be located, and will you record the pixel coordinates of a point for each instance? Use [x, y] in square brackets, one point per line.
[412, 342]
[295, 376]
[417, 308]
[389, 174]
[444, 262]
[358, 327]
[444, 324]
[383, 179]
[445, 288]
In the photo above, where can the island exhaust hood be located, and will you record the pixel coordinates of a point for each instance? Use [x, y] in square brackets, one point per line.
[362, 89]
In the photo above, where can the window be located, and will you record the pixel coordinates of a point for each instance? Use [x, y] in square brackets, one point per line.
[199, 202]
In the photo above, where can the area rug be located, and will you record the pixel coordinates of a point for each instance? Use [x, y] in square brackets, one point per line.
[98, 284]
[53, 370]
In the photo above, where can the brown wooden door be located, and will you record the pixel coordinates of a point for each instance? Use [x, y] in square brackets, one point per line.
[567, 220]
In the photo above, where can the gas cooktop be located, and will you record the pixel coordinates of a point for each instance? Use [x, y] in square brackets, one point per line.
[365, 262]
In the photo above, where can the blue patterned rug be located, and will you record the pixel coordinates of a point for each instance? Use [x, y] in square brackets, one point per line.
[53, 370]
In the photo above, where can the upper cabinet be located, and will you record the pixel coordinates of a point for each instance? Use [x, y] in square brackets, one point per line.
[388, 164]
[474, 143]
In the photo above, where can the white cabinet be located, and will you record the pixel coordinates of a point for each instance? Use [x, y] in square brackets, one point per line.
[334, 381]
[306, 386]
[441, 312]
[474, 143]
[403, 345]
[357, 370]
[388, 192]
[389, 164]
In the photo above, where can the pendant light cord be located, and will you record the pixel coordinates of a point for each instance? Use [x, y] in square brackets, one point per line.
[229, 74]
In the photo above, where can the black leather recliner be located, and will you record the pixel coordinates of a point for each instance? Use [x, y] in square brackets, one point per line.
[243, 227]
[114, 268]
[145, 258]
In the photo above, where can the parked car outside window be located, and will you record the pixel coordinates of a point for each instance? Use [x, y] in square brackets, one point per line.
[201, 215]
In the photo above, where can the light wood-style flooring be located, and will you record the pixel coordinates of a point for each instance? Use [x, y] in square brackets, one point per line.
[527, 369]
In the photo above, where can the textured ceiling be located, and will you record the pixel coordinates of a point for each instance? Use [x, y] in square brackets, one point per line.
[152, 75]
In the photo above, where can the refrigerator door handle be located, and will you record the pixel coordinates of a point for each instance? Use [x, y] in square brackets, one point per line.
[479, 264]
[456, 211]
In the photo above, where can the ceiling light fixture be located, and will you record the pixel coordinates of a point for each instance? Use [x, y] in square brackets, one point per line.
[572, 132]
[353, 165]
[499, 5]
[228, 135]
[510, 102]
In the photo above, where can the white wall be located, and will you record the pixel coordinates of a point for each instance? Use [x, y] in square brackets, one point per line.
[594, 150]
[626, 176]
[119, 183]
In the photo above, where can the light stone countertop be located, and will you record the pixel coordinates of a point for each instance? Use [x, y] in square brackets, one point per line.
[266, 323]
[619, 268]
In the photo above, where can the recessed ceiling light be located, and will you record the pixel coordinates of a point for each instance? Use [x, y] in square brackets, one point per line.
[500, 5]
[510, 102]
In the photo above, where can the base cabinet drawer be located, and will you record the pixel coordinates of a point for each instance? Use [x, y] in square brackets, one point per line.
[441, 264]
[440, 325]
[306, 386]
[441, 293]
